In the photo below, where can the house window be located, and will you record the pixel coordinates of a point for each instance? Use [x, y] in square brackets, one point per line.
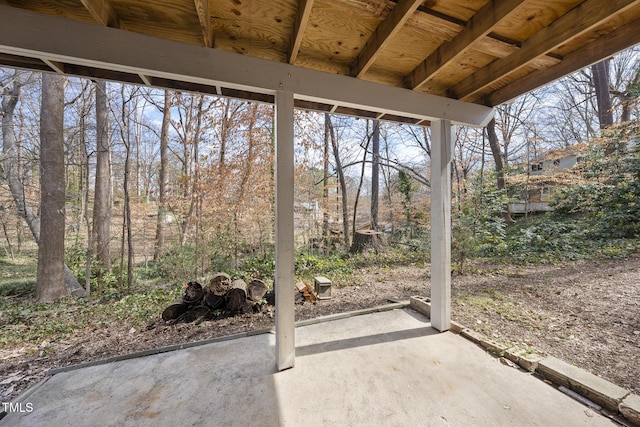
[536, 167]
[556, 162]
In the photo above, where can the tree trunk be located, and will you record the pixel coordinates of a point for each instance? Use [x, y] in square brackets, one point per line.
[603, 96]
[51, 284]
[126, 221]
[102, 202]
[11, 170]
[360, 182]
[497, 158]
[364, 240]
[343, 183]
[325, 188]
[375, 172]
[164, 165]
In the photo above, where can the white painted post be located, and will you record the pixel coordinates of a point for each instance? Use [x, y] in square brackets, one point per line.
[284, 274]
[441, 152]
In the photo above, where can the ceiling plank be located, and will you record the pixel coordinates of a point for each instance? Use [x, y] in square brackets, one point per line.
[299, 27]
[382, 34]
[202, 8]
[103, 12]
[480, 25]
[578, 20]
[601, 48]
[33, 34]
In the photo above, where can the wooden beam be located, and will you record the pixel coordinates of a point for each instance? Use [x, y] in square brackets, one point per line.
[578, 20]
[601, 48]
[103, 12]
[284, 273]
[145, 79]
[441, 153]
[56, 66]
[299, 27]
[202, 8]
[480, 25]
[32, 34]
[383, 33]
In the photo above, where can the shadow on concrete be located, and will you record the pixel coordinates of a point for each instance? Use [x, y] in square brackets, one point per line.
[363, 341]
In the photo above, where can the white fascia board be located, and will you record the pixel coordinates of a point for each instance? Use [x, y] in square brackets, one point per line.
[32, 34]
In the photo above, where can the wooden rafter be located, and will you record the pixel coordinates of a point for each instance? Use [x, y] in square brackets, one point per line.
[480, 25]
[202, 8]
[601, 48]
[571, 25]
[382, 34]
[103, 12]
[302, 18]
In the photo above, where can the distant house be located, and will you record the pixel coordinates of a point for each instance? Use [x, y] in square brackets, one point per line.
[532, 189]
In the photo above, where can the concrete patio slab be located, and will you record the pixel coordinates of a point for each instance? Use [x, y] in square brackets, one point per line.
[388, 369]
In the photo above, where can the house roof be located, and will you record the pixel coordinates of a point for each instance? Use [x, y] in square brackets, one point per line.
[478, 51]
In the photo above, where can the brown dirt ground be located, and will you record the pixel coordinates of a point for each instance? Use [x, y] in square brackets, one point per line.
[586, 313]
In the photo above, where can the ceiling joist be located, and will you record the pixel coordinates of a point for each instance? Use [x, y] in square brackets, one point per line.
[299, 27]
[480, 25]
[103, 12]
[202, 8]
[383, 34]
[601, 48]
[569, 26]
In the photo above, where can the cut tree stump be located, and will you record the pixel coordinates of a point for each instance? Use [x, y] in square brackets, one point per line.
[220, 284]
[364, 240]
[256, 290]
[237, 295]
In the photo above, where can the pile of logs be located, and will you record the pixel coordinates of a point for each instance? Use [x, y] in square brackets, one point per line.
[222, 293]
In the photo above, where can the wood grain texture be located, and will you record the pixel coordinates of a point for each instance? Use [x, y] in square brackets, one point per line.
[103, 12]
[299, 28]
[202, 9]
[478, 26]
[382, 35]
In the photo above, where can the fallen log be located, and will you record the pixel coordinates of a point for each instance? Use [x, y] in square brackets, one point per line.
[256, 290]
[220, 284]
[193, 293]
[198, 313]
[236, 296]
[174, 311]
[213, 301]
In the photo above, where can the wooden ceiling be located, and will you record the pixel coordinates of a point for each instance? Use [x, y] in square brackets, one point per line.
[484, 52]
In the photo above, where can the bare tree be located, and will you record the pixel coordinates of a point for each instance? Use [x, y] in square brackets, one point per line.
[375, 174]
[51, 285]
[11, 168]
[494, 143]
[162, 178]
[102, 203]
[340, 172]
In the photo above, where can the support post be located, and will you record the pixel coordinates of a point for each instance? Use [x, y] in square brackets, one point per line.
[284, 274]
[441, 152]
